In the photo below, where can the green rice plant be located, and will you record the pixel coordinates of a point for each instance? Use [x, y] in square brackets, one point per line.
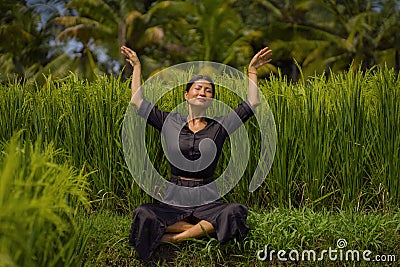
[337, 138]
[385, 151]
[281, 183]
[38, 201]
[352, 135]
[330, 140]
[84, 119]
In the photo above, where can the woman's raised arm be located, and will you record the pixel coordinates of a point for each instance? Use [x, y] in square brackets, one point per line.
[259, 59]
[132, 58]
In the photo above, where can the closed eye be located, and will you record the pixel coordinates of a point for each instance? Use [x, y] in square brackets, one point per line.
[208, 90]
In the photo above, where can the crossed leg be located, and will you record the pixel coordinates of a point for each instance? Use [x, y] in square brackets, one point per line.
[182, 230]
[179, 227]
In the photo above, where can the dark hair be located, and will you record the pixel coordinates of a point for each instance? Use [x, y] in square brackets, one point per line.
[197, 78]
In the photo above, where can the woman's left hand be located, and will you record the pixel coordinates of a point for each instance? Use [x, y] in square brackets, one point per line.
[261, 58]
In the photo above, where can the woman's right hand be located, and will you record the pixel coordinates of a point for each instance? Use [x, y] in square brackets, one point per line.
[136, 87]
[131, 56]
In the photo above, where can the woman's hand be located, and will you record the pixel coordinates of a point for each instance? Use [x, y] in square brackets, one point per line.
[131, 56]
[260, 59]
[136, 86]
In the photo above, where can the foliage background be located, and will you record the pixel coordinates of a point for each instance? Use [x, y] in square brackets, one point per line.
[84, 36]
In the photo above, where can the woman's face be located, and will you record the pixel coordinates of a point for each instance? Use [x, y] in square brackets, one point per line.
[200, 93]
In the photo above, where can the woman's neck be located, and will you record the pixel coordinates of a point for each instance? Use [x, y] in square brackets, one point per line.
[196, 114]
[196, 119]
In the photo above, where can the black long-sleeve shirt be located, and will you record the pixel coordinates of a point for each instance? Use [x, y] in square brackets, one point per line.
[193, 154]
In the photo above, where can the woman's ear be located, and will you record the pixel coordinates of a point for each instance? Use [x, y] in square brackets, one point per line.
[185, 95]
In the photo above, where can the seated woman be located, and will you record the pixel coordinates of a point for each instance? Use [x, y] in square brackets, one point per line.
[155, 223]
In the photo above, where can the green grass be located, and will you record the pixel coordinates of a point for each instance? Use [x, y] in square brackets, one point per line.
[281, 228]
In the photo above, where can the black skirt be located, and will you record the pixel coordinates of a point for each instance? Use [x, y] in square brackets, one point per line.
[151, 220]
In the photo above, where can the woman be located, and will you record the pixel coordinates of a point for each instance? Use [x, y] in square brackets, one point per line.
[155, 223]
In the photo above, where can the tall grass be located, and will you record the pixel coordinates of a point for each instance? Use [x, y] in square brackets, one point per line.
[38, 200]
[338, 138]
[84, 119]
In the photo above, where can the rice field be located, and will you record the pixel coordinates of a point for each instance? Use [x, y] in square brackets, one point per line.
[338, 149]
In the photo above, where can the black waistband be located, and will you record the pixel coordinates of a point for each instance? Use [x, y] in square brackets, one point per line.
[190, 183]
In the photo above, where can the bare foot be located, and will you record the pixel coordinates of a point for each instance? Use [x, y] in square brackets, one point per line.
[179, 227]
[168, 238]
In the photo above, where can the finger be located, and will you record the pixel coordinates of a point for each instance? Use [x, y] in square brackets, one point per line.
[266, 54]
[123, 51]
[263, 50]
[266, 50]
[265, 61]
[127, 51]
[129, 54]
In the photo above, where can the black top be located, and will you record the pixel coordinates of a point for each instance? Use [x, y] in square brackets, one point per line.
[184, 152]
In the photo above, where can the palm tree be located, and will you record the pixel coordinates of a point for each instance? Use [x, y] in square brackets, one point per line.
[356, 32]
[210, 30]
[386, 40]
[22, 44]
[104, 26]
[168, 32]
[100, 27]
[94, 26]
[287, 34]
[334, 35]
